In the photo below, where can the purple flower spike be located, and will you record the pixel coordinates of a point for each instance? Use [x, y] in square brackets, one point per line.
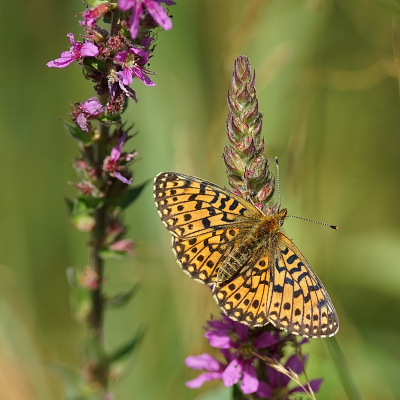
[77, 51]
[153, 7]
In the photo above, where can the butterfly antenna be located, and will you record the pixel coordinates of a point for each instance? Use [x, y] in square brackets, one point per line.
[277, 181]
[315, 222]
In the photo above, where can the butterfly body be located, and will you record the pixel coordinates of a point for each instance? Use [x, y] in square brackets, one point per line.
[259, 237]
[257, 274]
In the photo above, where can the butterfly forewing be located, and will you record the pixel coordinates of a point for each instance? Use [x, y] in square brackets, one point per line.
[190, 206]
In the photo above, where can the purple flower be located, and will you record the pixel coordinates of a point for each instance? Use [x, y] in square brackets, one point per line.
[77, 51]
[153, 7]
[83, 112]
[243, 349]
[132, 63]
[112, 163]
[234, 341]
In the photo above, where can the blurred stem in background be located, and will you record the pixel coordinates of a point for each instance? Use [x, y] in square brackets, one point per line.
[111, 59]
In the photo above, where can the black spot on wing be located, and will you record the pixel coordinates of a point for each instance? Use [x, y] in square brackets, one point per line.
[320, 304]
[280, 269]
[291, 259]
[223, 201]
[296, 269]
[215, 198]
[234, 205]
[289, 281]
[302, 276]
[202, 188]
[211, 211]
[206, 223]
[278, 288]
[186, 184]
[226, 219]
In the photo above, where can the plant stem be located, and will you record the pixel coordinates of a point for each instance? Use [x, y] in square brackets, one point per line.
[97, 367]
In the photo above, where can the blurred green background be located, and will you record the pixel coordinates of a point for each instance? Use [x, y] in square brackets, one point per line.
[327, 83]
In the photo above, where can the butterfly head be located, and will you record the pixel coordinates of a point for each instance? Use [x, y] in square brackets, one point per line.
[280, 216]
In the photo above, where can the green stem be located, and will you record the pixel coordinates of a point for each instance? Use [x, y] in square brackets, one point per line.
[96, 365]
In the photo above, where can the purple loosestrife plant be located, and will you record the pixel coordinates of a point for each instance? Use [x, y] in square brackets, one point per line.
[256, 362]
[114, 57]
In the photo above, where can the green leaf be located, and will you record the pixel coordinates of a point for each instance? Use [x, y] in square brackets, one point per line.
[77, 133]
[107, 254]
[131, 195]
[85, 204]
[94, 64]
[120, 299]
[121, 358]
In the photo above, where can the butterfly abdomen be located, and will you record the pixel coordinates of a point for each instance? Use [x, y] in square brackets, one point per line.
[236, 260]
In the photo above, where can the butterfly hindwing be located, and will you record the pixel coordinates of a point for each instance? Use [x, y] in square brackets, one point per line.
[298, 302]
[201, 256]
[243, 298]
[190, 206]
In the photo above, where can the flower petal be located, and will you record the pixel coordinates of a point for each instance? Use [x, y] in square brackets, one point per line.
[233, 372]
[125, 5]
[122, 178]
[89, 49]
[294, 364]
[202, 378]
[315, 384]
[249, 380]
[67, 57]
[158, 13]
[82, 122]
[143, 77]
[134, 20]
[264, 340]
[203, 361]
[125, 76]
[218, 339]
[264, 390]
[242, 330]
[92, 106]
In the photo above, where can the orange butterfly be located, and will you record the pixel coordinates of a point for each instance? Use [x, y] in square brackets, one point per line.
[257, 274]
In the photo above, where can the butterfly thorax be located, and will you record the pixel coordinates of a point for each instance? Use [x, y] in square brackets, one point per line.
[269, 224]
[258, 237]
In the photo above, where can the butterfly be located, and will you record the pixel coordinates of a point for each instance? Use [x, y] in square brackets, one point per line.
[257, 274]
